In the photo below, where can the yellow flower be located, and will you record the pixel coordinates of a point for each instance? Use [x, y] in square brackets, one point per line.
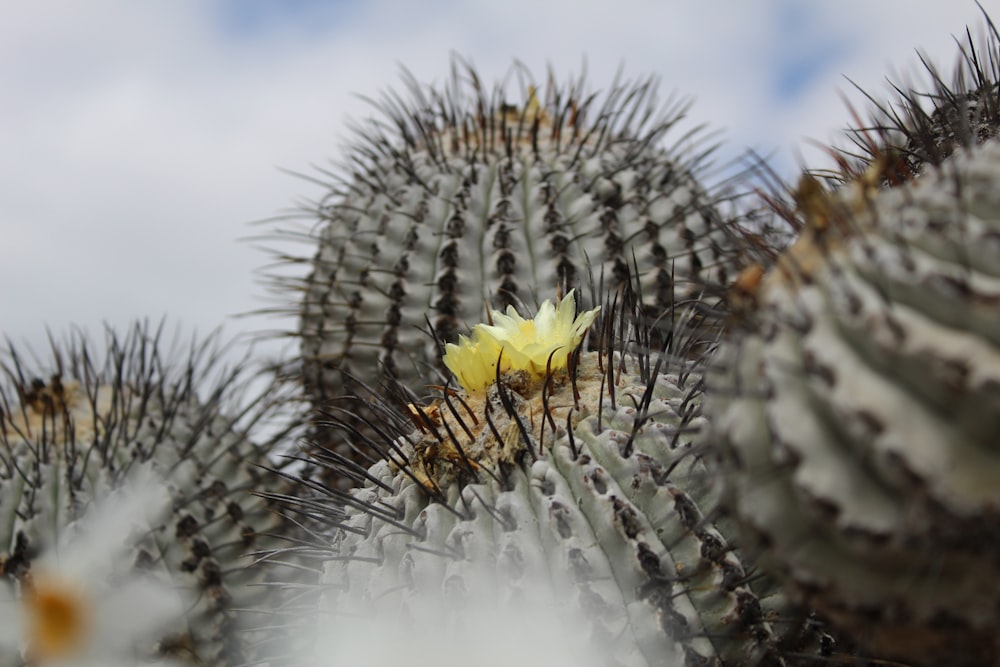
[526, 344]
[473, 362]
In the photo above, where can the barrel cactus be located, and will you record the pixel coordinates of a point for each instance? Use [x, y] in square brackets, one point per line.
[856, 409]
[554, 477]
[457, 198]
[74, 426]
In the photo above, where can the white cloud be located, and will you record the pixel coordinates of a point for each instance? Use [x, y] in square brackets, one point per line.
[138, 139]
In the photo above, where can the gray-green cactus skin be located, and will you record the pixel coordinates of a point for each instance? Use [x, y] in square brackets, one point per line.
[857, 411]
[457, 199]
[595, 497]
[74, 425]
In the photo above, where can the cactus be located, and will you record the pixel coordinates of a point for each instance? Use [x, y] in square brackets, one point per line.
[963, 112]
[856, 410]
[864, 352]
[79, 603]
[72, 427]
[570, 483]
[456, 199]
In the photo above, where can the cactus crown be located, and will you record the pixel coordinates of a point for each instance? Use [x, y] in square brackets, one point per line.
[467, 118]
[617, 327]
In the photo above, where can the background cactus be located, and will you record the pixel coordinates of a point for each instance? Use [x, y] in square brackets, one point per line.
[74, 425]
[456, 199]
[579, 489]
[856, 410]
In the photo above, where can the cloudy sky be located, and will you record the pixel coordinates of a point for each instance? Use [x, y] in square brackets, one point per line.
[138, 140]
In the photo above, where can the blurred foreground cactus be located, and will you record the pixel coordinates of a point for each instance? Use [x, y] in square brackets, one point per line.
[857, 410]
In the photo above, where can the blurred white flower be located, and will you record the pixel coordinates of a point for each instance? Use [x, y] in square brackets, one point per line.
[82, 604]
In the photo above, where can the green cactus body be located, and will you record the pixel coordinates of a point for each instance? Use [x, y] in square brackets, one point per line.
[458, 199]
[68, 442]
[858, 412]
[579, 490]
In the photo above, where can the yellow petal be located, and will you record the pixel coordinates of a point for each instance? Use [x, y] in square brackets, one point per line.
[535, 345]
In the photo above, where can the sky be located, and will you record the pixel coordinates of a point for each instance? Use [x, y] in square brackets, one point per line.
[140, 140]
